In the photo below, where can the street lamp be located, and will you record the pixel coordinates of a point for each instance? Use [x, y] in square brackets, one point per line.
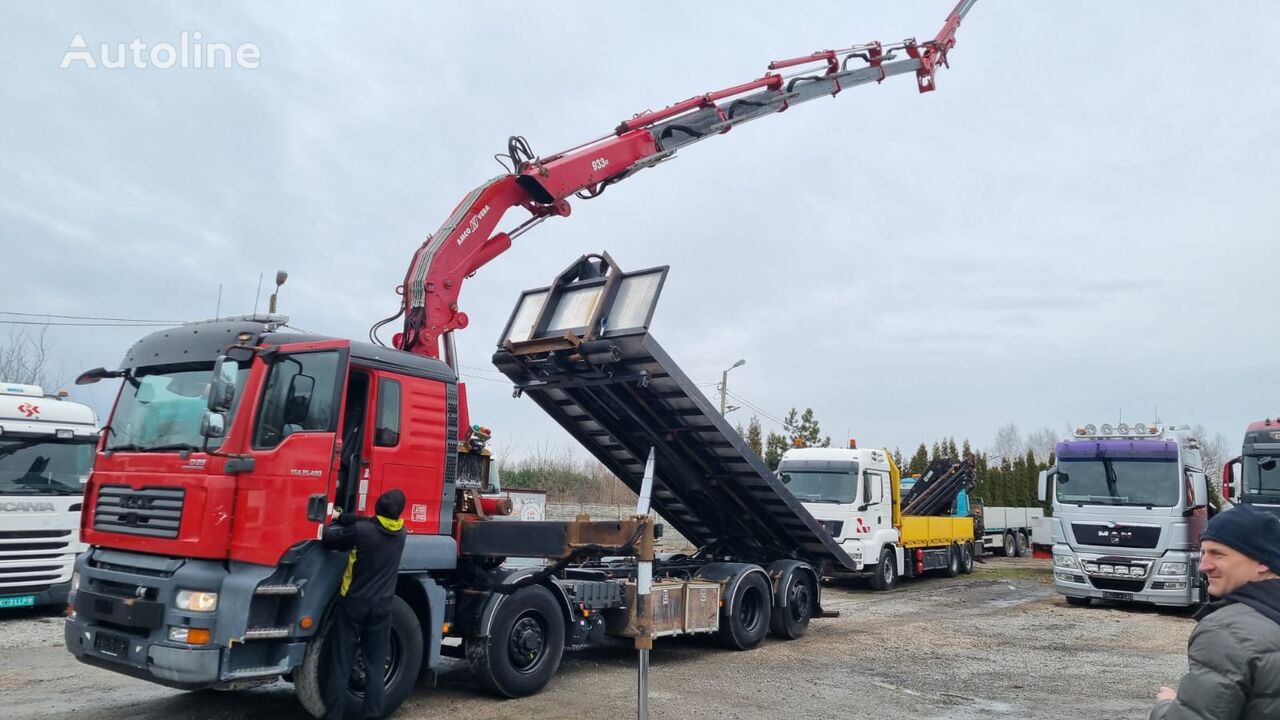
[724, 384]
[281, 276]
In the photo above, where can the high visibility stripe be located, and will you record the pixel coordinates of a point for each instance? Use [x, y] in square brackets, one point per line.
[348, 573]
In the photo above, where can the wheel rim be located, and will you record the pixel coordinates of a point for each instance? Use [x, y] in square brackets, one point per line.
[527, 642]
[798, 601]
[887, 572]
[360, 672]
[749, 610]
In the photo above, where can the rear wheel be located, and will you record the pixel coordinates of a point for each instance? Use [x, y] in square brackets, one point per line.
[953, 562]
[790, 622]
[1079, 601]
[1020, 547]
[886, 573]
[1010, 545]
[966, 558]
[745, 618]
[525, 643]
[404, 661]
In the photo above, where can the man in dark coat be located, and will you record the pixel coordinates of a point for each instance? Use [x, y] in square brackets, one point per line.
[1234, 651]
[363, 615]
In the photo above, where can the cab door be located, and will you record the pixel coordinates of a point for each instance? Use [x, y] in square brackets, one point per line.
[404, 448]
[291, 443]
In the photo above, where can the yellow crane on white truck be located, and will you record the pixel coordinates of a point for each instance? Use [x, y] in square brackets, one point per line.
[856, 495]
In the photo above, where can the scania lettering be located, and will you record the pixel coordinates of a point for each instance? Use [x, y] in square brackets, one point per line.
[46, 448]
[1129, 504]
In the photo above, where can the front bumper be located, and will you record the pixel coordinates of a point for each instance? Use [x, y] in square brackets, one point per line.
[1152, 588]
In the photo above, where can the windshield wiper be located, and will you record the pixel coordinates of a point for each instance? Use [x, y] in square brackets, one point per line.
[134, 447]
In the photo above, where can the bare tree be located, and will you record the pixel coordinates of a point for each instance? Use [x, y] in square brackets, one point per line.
[1213, 450]
[1008, 443]
[25, 358]
[1042, 443]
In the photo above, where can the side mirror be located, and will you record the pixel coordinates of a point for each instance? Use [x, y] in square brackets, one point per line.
[1043, 482]
[222, 389]
[297, 403]
[89, 377]
[1230, 473]
[213, 425]
[1199, 490]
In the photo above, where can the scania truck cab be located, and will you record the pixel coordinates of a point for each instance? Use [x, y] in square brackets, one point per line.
[1254, 477]
[46, 450]
[1129, 504]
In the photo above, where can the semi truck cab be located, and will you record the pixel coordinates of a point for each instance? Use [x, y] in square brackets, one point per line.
[1129, 504]
[46, 449]
[1254, 477]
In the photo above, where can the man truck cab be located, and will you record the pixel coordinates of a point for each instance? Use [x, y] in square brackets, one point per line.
[1129, 504]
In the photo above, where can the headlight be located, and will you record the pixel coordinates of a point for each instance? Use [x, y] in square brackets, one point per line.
[196, 600]
[1173, 568]
[75, 580]
[1065, 561]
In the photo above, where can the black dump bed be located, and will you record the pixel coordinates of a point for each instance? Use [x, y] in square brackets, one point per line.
[619, 394]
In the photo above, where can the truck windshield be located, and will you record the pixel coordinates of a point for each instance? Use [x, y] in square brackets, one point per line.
[822, 487]
[160, 409]
[1262, 475]
[1119, 482]
[44, 466]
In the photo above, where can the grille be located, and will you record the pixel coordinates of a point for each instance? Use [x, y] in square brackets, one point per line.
[1118, 585]
[32, 534]
[11, 570]
[151, 511]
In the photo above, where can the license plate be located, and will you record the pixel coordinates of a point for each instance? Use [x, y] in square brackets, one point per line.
[18, 601]
[108, 644]
[1118, 596]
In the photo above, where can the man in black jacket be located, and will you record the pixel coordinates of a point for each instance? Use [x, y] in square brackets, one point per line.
[363, 614]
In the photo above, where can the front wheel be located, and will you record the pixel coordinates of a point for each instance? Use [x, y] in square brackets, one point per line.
[1010, 545]
[792, 621]
[404, 661]
[886, 574]
[745, 618]
[525, 643]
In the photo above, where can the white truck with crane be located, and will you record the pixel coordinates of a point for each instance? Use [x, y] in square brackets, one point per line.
[46, 449]
[204, 571]
[856, 495]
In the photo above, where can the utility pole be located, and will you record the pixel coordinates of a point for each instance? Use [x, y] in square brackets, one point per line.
[724, 384]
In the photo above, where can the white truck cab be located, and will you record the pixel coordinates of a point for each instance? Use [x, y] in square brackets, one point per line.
[849, 491]
[46, 451]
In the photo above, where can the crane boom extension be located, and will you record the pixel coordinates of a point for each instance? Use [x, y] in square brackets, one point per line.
[542, 185]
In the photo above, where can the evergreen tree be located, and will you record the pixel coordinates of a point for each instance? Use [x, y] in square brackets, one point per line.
[951, 451]
[804, 430]
[919, 461]
[754, 439]
[936, 453]
[774, 446]
[897, 459]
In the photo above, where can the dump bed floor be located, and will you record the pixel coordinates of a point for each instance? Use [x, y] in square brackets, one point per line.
[709, 485]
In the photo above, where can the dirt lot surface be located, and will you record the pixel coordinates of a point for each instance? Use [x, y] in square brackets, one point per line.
[995, 644]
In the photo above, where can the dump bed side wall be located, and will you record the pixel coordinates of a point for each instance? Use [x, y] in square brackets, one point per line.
[924, 531]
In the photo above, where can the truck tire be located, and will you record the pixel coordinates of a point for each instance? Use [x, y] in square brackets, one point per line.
[745, 618]
[1079, 601]
[953, 562]
[1010, 546]
[1020, 544]
[886, 573]
[524, 646]
[966, 558]
[792, 621]
[403, 666]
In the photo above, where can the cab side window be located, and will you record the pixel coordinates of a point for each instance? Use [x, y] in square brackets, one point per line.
[387, 433]
[300, 396]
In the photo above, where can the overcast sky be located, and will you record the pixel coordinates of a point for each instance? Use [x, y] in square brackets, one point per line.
[1081, 221]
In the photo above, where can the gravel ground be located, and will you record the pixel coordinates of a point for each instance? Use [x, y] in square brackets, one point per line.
[996, 644]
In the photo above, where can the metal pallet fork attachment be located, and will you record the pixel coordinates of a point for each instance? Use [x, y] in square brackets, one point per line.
[581, 349]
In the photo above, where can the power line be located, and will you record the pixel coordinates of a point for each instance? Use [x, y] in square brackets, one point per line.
[86, 317]
[758, 409]
[87, 324]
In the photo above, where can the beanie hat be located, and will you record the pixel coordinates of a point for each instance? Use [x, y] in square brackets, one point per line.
[1245, 528]
[390, 504]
